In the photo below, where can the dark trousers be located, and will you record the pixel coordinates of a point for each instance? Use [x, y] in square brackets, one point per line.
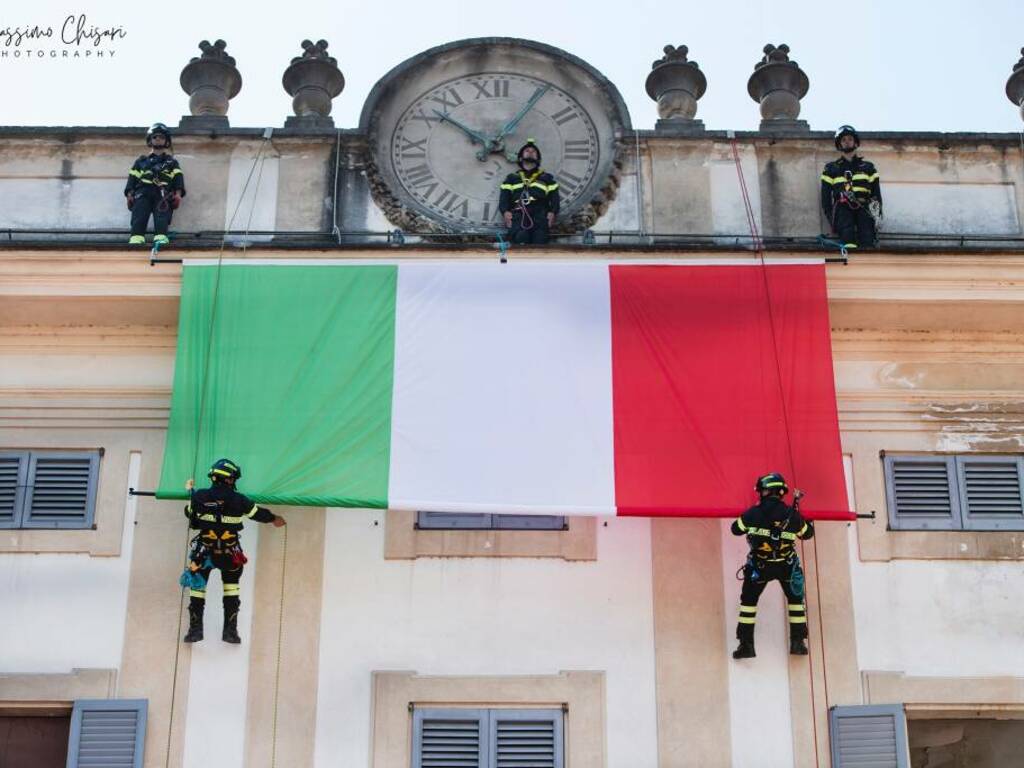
[148, 201]
[230, 574]
[854, 225]
[756, 575]
[529, 229]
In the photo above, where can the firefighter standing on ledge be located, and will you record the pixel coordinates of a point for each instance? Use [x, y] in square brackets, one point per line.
[772, 528]
[529, 199]
[851, 195]
[155, 186]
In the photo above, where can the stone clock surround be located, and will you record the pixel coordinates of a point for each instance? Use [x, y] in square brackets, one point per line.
[597, 102]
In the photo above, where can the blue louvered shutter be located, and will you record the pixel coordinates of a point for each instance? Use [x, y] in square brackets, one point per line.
[450, 521]
[991, 496]
[13, 478]
[922, 493]
[527, 738]
[453, 521]
[61, 489]
[107, 733]
[868, 736]
[529, 522]
[450, 738]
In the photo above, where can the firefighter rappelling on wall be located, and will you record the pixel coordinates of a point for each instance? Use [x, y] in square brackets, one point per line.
[772, 528]
[217, 514]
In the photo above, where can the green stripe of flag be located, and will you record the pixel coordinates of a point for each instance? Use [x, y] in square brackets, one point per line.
[298, 387]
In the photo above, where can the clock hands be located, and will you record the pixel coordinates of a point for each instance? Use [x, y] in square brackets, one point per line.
[495, 143]
[476, 136]
[511, 124]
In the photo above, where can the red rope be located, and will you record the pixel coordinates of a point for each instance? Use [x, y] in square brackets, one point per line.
[758, 245]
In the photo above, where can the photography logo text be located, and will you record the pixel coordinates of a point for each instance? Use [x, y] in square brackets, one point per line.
[76, 38]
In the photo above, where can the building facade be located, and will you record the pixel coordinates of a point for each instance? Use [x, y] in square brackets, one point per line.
[363, 630]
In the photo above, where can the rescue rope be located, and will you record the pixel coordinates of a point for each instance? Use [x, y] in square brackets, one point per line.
[258, 159]
[758, 245]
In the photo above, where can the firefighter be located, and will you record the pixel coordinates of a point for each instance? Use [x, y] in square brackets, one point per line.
[217, 513]
[851, 195]
[529, 199]
[155, 186]
[772, 528]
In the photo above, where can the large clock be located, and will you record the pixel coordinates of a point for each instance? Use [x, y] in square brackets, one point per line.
[444, 128]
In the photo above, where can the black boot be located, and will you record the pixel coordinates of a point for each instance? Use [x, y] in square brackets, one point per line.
[798, 646]
[195, 625]
[230, 633]
[745, 650]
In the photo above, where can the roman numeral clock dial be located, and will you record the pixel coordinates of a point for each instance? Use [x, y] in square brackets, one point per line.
[441, 145]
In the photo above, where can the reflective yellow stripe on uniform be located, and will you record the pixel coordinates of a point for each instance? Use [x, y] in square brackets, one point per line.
[229, 519]
[252, 511]
[740, 524]
[748, 608]
[865, 190]
[135, 173]
[230, 590]
[511, 186]
[552, 187]
[802, 531]
[197, 593]
[829, 179]
[797, 619]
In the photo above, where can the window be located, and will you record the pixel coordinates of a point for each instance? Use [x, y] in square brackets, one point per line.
[48, 489]
[488, 738]
[107, 732]
[868, 735]
[447, 521]
[974, 492]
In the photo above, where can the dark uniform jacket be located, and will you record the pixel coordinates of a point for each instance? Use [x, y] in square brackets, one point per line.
[220, 511]
[772, 528]
[540, 190]
[862, 183]
[155, 170]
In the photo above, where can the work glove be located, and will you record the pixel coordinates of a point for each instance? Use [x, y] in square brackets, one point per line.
[130, 200]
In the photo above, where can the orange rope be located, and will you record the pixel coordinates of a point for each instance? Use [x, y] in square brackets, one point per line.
[758, 245]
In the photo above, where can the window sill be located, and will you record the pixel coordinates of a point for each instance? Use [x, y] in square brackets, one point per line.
[403, 541]
[878, 543]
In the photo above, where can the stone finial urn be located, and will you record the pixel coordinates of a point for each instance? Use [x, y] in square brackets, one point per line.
[778, 84]
[312, 80]
[676, 84]
[210, 81]
[1015, 85]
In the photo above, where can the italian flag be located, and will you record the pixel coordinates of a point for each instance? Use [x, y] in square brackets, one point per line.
[532, 387]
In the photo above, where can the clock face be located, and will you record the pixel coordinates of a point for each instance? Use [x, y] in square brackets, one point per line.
[445, 169]
[444, 129]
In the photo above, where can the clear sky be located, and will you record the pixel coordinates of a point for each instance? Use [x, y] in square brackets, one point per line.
[938, 65]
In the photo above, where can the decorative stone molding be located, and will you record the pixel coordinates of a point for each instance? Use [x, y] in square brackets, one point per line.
[1015, 85]
[313, 80]
[211, 81]
[778, 84]
[676, 84]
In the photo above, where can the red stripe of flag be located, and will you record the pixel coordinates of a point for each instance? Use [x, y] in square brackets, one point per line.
[698, 409]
